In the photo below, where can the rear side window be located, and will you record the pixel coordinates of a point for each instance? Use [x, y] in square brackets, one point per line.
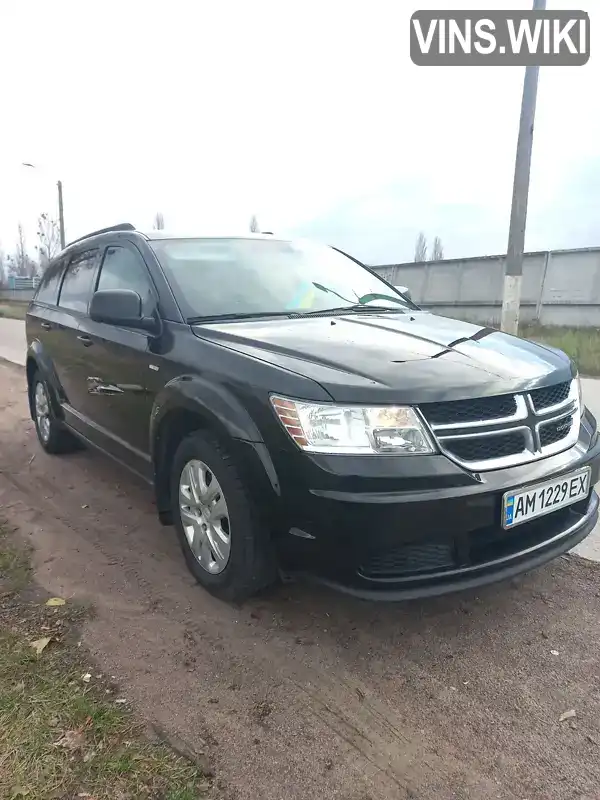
[123, 269]
[50, 283]
[77, 285]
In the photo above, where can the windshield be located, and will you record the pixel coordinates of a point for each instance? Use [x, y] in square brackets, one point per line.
[246, 277]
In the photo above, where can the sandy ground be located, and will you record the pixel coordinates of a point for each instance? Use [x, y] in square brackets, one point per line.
[303, 693]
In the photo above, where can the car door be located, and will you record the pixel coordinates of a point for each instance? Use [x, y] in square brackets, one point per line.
[62, 331]
[118, 363]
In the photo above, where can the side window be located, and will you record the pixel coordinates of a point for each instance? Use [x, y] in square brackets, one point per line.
[77, 284]
[123, 269]
[50, 283]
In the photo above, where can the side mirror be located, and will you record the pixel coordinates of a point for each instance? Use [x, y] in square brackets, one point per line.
[122, 307]
[405, 291]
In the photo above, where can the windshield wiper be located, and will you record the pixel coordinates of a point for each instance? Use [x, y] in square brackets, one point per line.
[350, 310]
[236, 315]
[292, 314]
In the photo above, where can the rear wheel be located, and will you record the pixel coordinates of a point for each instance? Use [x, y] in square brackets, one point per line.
[224, 544]
[51, 434]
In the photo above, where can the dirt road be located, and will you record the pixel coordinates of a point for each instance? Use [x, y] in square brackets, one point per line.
[306, 694]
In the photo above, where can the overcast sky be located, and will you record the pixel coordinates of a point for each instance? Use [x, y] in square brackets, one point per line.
[310, 115]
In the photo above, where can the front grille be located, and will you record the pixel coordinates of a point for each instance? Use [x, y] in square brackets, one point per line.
[486, 448]
[554, 431]
[550, 395]
[486, 431]
[482, 408]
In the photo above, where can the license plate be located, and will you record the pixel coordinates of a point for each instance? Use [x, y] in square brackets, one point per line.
[523, 505]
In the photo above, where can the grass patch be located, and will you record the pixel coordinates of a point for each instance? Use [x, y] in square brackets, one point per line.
[13, 310]
[62, 733]
[14, 566]
[582, 344]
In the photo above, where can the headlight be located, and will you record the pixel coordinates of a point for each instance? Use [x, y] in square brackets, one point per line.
[364, 430]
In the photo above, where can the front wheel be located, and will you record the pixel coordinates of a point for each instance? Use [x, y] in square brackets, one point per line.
[224, 544]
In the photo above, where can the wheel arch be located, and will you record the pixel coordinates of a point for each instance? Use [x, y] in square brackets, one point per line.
[38, 361]
[188, 404]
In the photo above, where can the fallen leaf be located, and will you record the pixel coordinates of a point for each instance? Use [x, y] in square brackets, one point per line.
[567, 715]
[41, 644]
[55, 601]
[121, 700]
[86, 678]
[71, 740]
[555, 652]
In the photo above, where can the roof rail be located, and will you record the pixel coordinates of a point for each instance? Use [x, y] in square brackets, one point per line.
[123, 226]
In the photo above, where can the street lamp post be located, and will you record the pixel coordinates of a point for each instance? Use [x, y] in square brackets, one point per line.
[61, 213]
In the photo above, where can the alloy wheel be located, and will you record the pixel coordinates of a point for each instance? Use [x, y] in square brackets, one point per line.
[42, 411]
[204, 516]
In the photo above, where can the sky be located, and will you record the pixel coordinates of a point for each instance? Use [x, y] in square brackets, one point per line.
[310, 115]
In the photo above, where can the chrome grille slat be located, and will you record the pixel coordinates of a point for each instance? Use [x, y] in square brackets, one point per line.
[537, 427]
[520, 413]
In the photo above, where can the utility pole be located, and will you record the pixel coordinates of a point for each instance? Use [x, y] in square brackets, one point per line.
[513, 275]
[61, 215]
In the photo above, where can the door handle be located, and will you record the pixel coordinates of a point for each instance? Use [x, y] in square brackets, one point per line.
[85, 340]
[46, 326]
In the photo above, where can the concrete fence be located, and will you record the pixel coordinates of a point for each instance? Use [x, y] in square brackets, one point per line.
[19, 289]
[560, 287]
[16, 295]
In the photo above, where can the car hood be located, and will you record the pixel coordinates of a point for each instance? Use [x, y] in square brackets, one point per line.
[416, 357]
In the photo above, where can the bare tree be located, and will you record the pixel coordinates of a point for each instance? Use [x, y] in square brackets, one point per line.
[159, 221]
[421, 247]
[21, 253]
[23, 265]
[3, 275]
[437, 251]
[254, 224]
[48, 233]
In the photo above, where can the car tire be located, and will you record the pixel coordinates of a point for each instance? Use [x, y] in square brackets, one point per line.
[51, 434]
[233, 557]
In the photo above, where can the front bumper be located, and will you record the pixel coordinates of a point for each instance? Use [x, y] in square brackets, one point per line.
[400, 528]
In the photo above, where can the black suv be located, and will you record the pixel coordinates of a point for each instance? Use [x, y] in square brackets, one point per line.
[295, 412]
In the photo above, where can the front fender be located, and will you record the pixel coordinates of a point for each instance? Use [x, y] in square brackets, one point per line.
[221, 413]
[219, 408]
